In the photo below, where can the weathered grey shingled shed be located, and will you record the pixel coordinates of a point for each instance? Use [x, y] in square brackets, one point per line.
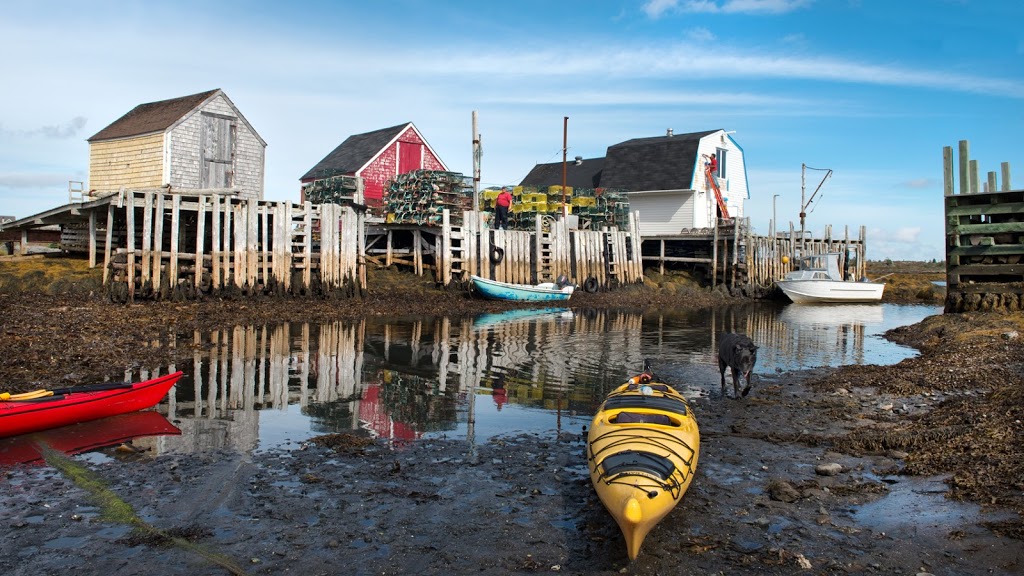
[196, 142]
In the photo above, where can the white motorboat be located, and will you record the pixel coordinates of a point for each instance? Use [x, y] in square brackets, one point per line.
[818, 279]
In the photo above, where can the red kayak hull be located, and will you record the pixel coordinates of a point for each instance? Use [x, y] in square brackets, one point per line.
[22, 417]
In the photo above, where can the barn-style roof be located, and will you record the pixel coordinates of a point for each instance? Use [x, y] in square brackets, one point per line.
[355, 152]
[659, 163]
[586, 174]
[152, 117]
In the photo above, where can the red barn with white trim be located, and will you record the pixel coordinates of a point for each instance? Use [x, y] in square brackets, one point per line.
[378, 157]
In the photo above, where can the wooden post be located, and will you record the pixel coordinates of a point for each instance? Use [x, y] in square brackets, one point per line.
[130, 231]
[1005, 166]
[265, 244]
[239, 236]
[172, 268]
[92, 239]
[216, 242]
[972, 168]
[286, 241]
[200, 239]
[714, 257]
[965, 154]
[158, 241]
[147, 237]
[947, 171]
[225, 234]
[252, 240]
[107, 247]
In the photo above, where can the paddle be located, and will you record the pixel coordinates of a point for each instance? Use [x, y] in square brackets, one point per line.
[36, 394]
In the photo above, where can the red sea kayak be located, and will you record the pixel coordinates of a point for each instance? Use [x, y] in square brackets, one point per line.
[71, 405]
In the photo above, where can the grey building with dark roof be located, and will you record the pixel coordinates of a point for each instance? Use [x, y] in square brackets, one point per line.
[664, 178]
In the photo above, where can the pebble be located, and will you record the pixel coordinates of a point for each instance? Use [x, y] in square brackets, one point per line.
[830, 469]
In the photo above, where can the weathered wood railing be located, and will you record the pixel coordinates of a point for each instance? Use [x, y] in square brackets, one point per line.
[606, 258]
[181, 246]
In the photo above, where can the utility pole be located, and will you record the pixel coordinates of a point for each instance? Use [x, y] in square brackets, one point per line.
[775, 223]
[805, 204]
[565, 151]
[477, 153]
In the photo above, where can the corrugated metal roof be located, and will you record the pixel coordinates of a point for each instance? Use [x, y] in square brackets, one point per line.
[152, 117]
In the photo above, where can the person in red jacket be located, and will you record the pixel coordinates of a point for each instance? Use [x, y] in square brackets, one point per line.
[501, 206]
[712, 163]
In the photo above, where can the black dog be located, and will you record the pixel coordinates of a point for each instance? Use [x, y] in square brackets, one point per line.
[738, 352]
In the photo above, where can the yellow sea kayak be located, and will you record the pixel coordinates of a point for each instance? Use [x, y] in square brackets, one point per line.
[642, 451]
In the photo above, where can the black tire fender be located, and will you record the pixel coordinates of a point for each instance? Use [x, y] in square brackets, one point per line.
[497, 254]
[590, 285]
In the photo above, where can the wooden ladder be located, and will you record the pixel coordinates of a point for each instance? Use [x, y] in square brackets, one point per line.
[718, 193]
[301, 232]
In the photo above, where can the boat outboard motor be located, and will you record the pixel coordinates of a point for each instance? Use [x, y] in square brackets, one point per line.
[562, 281]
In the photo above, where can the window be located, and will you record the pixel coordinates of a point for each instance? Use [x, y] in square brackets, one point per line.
[721, 153]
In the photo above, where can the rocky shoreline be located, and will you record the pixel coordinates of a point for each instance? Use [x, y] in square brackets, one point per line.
[790, 479]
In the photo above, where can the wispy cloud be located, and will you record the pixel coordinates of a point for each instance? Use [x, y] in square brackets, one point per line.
[921, 183]
[699, 35]
[69, 129]
[681, 61]
[35, 180]
[658, 8]
[642, 97]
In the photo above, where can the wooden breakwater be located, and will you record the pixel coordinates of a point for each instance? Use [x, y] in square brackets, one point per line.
[984, 236]
[162, 245]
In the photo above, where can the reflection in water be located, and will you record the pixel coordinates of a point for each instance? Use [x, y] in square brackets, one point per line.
[141, 429]
[258, 387]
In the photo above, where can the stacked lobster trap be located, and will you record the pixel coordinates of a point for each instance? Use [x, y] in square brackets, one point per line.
[339, 189]
[421, 197]
[596, 207]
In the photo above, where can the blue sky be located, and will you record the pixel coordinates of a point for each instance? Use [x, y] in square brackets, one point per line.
[871, 89]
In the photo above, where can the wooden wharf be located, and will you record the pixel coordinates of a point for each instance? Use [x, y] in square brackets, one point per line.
[735, 258]
[609, 256]
[165, 245]
[984, 237]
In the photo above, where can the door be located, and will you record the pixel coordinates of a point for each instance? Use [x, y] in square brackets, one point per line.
[218, 152]
[410, 156]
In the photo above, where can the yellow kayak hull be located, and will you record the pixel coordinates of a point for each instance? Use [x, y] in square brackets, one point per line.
[642, 450]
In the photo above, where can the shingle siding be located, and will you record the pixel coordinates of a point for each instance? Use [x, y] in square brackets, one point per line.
[186, 151]
[174, 154]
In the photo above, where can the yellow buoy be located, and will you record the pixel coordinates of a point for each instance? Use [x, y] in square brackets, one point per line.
[785, 259]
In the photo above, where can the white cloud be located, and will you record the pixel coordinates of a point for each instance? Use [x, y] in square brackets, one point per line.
[36, 180]
[700, 35]
[657, 8]
[921, 183]
[69, 129]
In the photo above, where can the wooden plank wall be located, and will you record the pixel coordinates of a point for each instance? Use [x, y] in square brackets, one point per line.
[609, 256]
[984, 226]
[179, 246]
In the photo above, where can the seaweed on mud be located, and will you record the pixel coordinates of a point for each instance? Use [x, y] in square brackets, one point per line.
[343, 442]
